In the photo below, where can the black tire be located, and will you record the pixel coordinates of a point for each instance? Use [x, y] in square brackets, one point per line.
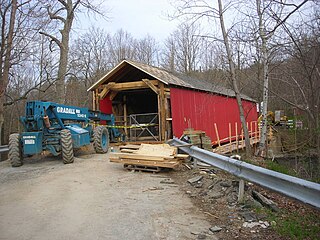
[101, 139]
[66, 146]
[15, 150]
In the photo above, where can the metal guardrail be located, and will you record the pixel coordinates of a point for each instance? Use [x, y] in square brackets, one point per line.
[302, 190]
[4, 148]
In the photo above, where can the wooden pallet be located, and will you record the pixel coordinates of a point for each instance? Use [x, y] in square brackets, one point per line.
[142, 168]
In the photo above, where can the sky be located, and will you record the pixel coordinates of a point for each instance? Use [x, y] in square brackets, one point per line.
[141, 17]
[138, 17]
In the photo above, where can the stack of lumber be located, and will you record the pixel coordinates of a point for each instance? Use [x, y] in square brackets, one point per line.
[198, 138]
[206, 143]
[148, 155]
[194, 136]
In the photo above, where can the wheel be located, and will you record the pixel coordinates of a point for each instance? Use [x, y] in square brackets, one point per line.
[15, 150]
[66, 146]
[101, 139]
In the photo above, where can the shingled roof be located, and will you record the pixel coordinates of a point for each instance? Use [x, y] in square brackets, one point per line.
[168, 79]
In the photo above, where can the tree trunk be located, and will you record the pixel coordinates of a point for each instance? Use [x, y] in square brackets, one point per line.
[261, 151]
[64, 51]
[7, 64]
[62, 71]
[317, 132]
[232, 69]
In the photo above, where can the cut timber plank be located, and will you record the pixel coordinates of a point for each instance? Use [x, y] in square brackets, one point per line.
[124, 150]
[130, 146]
[141, 157]
[163, 150]
[114, 159]
[181, 156]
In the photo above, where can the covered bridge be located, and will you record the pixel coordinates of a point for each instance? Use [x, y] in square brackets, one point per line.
[150, 103]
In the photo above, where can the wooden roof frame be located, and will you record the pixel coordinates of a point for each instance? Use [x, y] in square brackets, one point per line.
[114, 70]
[145, 83]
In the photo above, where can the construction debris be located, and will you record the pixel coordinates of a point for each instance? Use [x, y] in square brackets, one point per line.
[148, 157]
[265, 201]
[167, 181]
[195, 179]
[153, 189]
[262, 224]
[215, 229]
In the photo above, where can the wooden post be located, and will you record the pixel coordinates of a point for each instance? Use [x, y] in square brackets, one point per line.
[237, 139]
[162, 112]
[97, 100]
[248, 132]
[242, 140]
[125, 113]
[241, 191]
[230, 137]
[251, 135]
[256, 134]
[168, 117]
[93, 100]
[217, 134]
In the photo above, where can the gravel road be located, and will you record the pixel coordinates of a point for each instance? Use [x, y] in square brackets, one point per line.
[92, 199]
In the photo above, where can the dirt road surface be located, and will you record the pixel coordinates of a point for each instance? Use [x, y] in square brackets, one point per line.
[92, 199]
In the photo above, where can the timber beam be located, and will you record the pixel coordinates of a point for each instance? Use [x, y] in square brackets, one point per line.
[151, 85]
[112, 86]
[106, 90]
[113, 94]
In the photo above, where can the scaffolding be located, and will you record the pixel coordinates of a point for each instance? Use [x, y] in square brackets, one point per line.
[144, 127]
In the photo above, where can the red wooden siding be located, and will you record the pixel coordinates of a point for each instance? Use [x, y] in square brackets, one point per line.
[105, 106]
[200, 110]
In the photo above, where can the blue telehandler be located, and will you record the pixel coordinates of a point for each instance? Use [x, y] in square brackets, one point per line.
[59, 129]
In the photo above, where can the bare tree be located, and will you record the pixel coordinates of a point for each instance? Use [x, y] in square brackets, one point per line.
[89, 60]
[146, 50]
[7, 34]
[20, 44]
[184, 47]
[168, 55]
[265, 35]
[64, 11]
[234, 80]
[299, 83]
[121, 46]
[90, 57]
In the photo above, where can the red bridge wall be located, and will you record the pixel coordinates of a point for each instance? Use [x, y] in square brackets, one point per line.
[200, 110]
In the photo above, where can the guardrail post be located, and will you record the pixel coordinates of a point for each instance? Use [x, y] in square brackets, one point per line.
[195, 163]
[241, 191]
